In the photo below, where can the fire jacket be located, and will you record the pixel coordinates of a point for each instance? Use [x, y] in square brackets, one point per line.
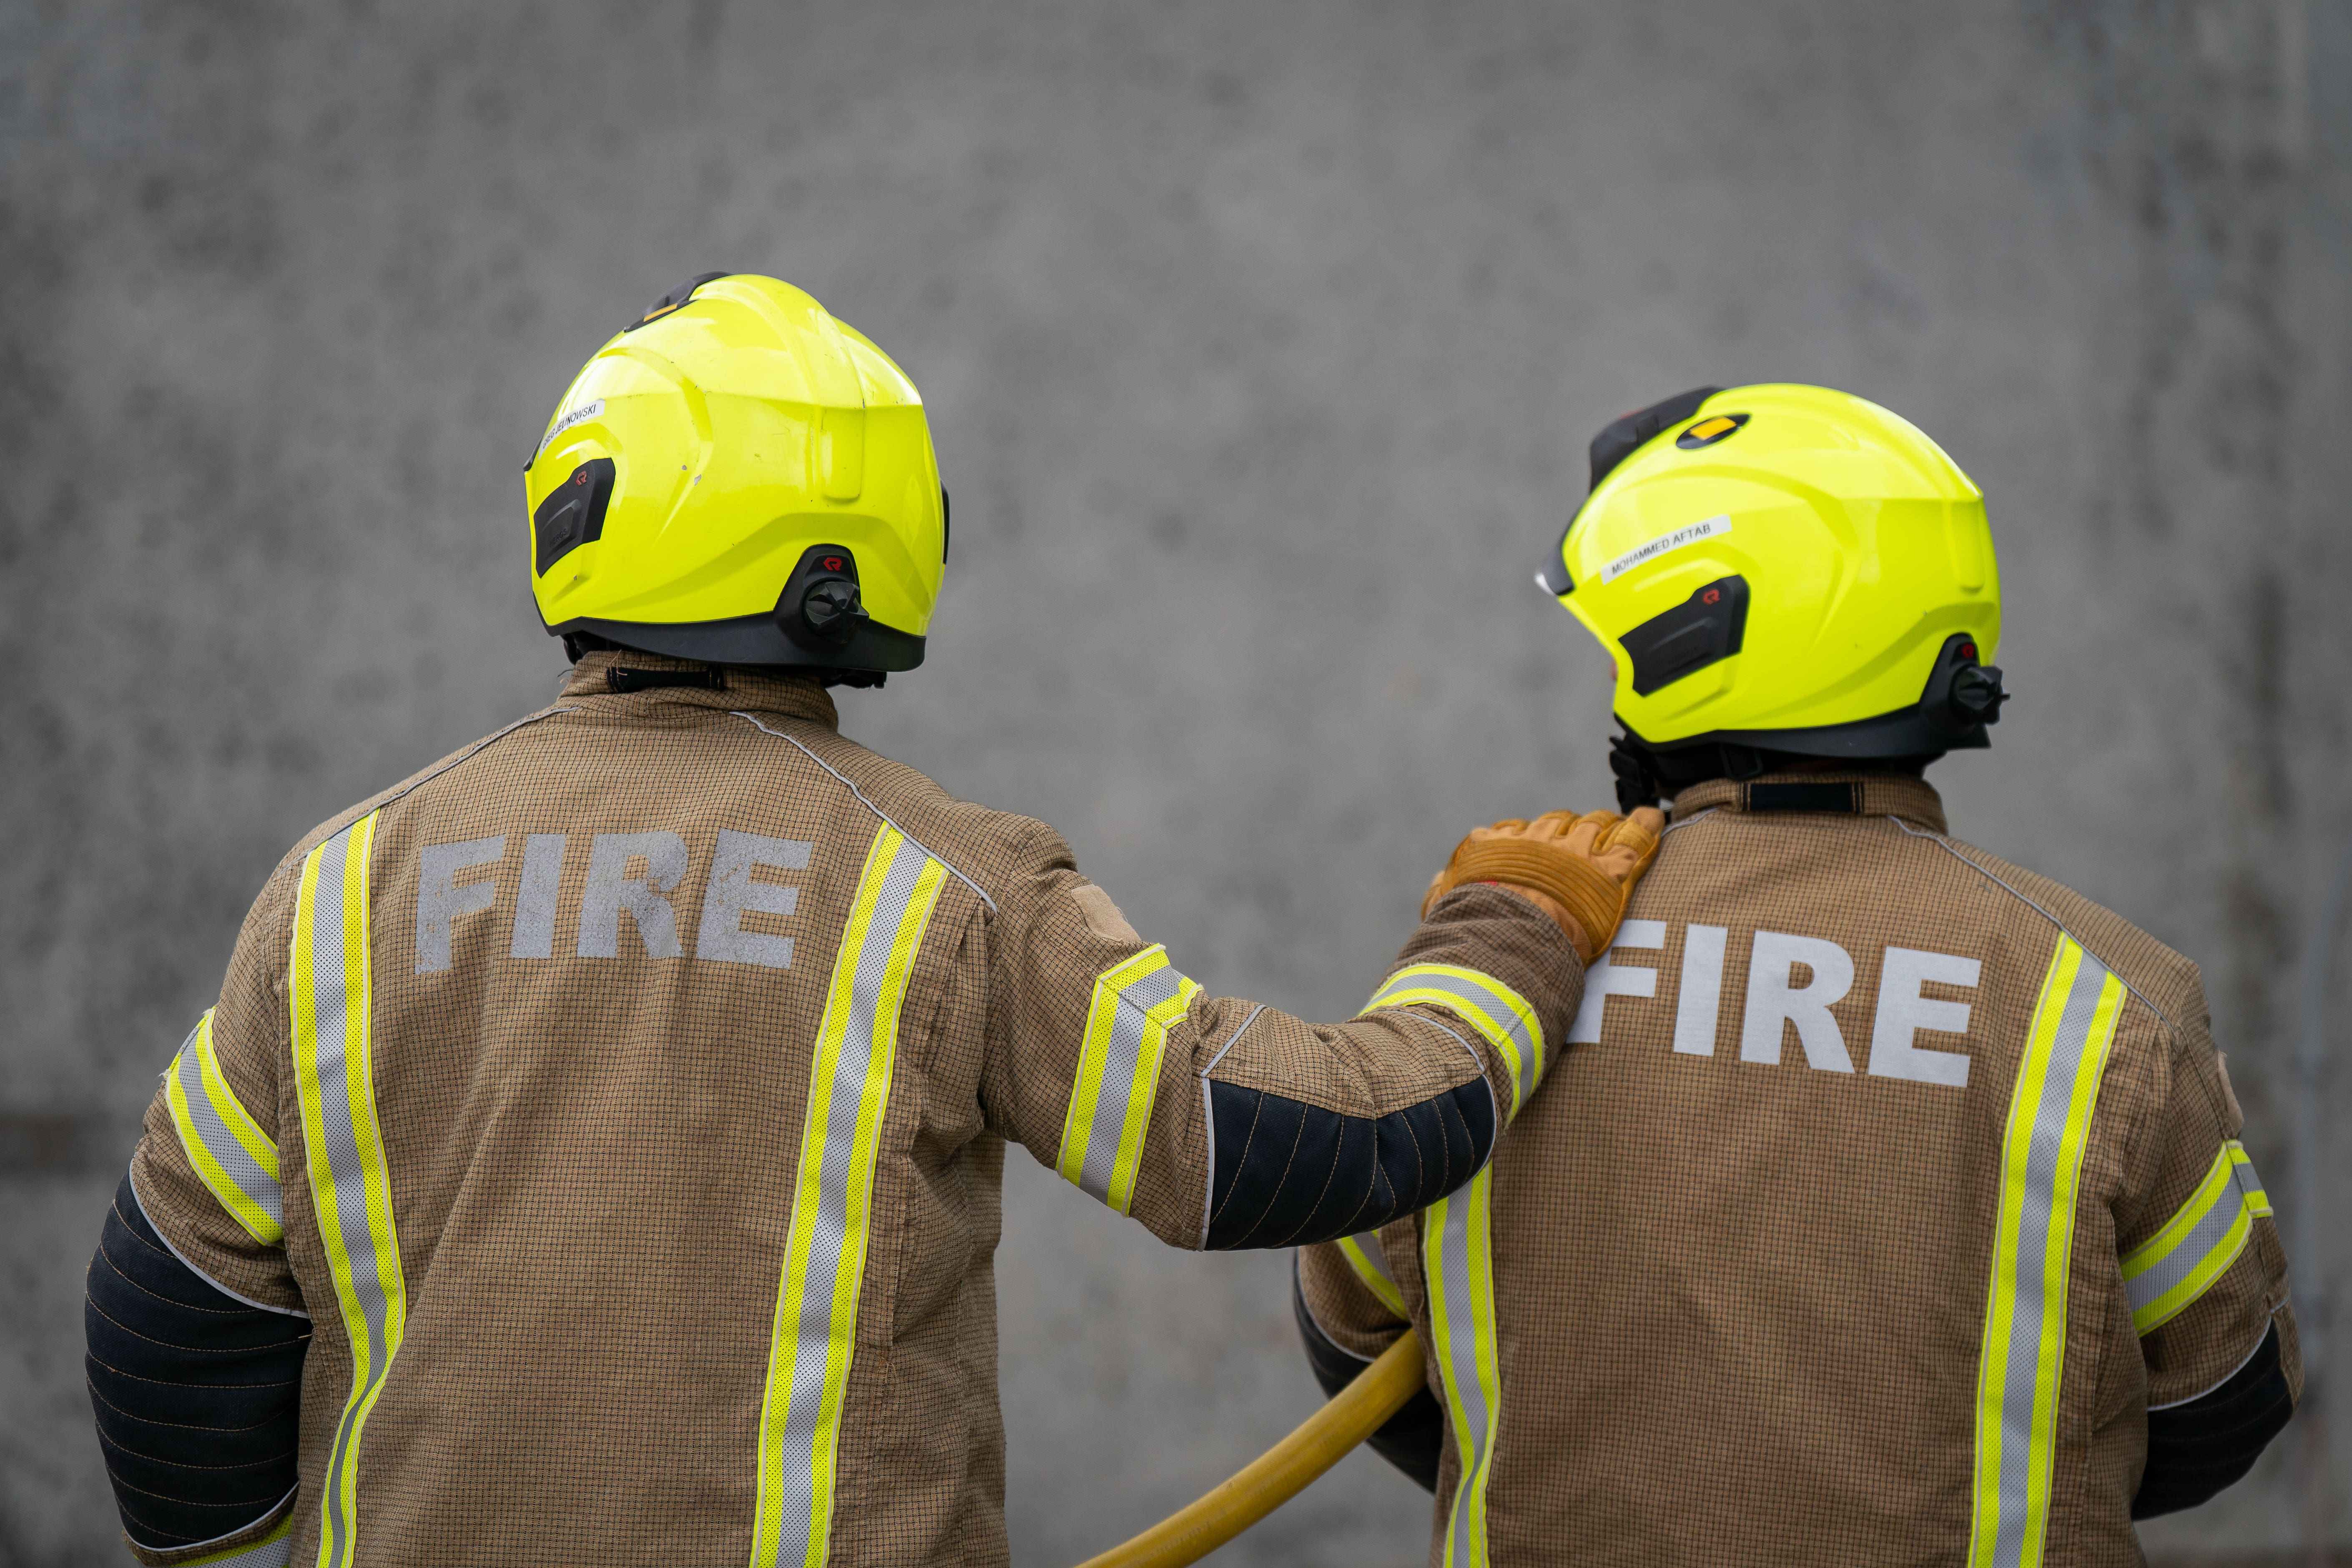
[594, 1153]
[1888, 1206]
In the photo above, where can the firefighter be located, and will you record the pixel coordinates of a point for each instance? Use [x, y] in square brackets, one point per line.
[593, 1155]
[1889, 1204]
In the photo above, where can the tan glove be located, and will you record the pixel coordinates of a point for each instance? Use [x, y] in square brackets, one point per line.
[1578, 870]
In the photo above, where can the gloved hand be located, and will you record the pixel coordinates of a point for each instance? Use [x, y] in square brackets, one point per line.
[1578, 870]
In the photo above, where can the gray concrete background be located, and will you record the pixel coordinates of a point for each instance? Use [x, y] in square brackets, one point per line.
[1262, 344]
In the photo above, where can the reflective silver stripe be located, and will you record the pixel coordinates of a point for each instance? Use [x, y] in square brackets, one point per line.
[813, 1340]
[223, 1141]
[1135, 1003]
[2175, 1267]
[2165, 1274]
[352, 1188]
[2021, 1366]
[1492, 1008]
[274, 1550]
[1456, 1260]
[2249, 1180]
[273, 1553]
[1130, 1026]
[1369, 1243]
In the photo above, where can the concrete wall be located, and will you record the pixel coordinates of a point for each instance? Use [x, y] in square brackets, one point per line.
[1262, 344]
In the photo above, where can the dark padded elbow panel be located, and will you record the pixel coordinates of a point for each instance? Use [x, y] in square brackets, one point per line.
[2194, 1450]
[1289, 1173]
[1412, 1438]
[197, 1395]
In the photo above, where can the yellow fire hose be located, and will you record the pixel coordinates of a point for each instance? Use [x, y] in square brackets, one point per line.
[1283, 1471]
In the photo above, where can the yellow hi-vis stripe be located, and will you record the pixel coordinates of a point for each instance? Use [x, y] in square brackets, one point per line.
[1363, 1253]
[2021, 1363]
[232, 1154]
[1458, 1261]
[328, 993]
[1135, 1001]
[2179, 1263]
[814, 1336]
[1486, 1005]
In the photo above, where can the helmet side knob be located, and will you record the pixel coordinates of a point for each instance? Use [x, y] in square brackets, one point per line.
[822, 605]
[830, 606]
[1977, 695]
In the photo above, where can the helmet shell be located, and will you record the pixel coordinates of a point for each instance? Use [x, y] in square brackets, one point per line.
[744, 427]
[1859, 547]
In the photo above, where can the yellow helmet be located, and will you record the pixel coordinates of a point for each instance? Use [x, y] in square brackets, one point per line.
[737, 477]
[1785, 569]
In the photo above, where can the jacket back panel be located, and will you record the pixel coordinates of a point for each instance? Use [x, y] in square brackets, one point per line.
[1744, 1239]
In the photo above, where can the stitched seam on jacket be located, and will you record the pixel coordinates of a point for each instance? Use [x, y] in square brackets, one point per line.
[868, 804]
[116, 1270]
[175, 1425]
[1256, 1111]
[201, 1387]
[121, 1447]
[2243, 1361]
[1945, 845]
[1289, 1162]
[214, 1541]
[1209, 1127]
[169, 1345]
[232, 1295]
[1331, 1175]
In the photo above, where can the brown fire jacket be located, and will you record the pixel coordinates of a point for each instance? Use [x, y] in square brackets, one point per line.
[1885, 1191]
[624, 1100]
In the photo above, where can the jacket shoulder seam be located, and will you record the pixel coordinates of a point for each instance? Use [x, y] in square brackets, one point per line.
[1945, 845]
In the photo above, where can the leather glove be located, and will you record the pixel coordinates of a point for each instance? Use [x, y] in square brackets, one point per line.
[1578, 870]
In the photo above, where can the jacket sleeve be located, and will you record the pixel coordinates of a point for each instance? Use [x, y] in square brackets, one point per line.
[1350, 1308]
[1222, 1123]
[2206, 1281]
[196, 1329]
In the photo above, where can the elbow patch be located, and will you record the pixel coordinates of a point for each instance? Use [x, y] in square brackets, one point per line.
[1286, 1174]
[2195, 1449]
[197, 1395]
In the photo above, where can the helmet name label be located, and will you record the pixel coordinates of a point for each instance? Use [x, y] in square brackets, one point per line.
[579, 415]
[1665, 544]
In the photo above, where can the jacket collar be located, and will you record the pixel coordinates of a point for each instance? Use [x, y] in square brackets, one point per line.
[1860, 793]
[737, 687]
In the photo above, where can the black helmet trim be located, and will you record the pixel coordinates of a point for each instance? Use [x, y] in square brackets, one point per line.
[1961, 699]
[819, 621]
[756, 639]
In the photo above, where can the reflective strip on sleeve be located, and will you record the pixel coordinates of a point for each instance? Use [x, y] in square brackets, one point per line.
[1363, 1253]
[2179, 1263]
[1486, 1003]
[274, 1550]
[814, 1335]
[2021, 1362]
[351, 1187]
[1135, 1001]
[231, 1153]
[1459, 1262]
